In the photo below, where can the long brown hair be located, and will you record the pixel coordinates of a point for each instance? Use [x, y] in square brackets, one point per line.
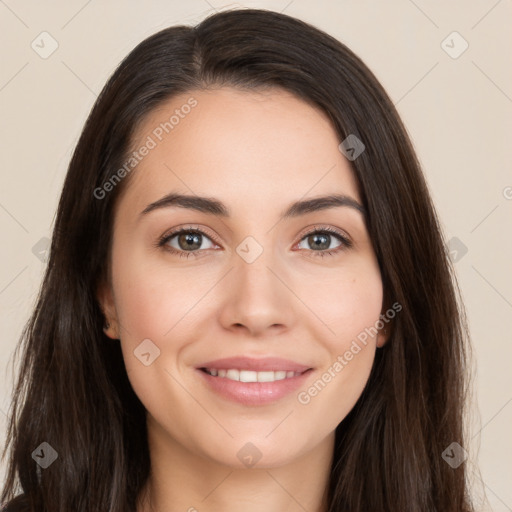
[72, 390]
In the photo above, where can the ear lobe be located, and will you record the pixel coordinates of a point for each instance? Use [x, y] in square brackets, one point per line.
[105, 298]
[383, 336]
[385, 333]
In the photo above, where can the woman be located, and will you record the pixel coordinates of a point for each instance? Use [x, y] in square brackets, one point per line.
[248, 302]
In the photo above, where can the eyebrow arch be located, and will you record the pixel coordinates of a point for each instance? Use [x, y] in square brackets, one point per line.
[215, 207]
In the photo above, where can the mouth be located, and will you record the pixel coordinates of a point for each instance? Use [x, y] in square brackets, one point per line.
[252, 382]
[250, 375]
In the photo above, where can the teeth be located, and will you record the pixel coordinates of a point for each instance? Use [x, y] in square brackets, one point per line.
[252, 376]
[265, 376]
[248, 376]
[233, 374]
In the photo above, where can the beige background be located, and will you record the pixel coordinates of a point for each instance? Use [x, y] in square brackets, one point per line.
[457, 110]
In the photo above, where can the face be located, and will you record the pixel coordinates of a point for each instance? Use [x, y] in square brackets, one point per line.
[286, 292]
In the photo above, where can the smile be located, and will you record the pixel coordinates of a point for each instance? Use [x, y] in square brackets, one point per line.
[251, 376]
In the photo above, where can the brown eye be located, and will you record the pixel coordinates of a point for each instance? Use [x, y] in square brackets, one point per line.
[186, 242]
[321, 242]
[189, 241]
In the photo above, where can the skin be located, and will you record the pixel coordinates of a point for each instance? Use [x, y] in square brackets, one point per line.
[257, 152]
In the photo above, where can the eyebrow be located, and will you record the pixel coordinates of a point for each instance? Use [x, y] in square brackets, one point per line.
[216, 207]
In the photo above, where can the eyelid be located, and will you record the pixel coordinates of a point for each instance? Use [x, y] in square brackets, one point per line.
[344, 238]
[189, 227]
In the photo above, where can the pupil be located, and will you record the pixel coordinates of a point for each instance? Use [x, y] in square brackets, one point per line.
[189, 240]
[320, 245]
[193, 241]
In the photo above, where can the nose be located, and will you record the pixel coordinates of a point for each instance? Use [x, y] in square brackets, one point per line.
[257, 298]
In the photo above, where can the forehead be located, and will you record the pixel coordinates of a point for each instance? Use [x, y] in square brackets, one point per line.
[242, 146]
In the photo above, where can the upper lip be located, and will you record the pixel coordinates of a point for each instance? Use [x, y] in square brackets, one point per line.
[262, 364]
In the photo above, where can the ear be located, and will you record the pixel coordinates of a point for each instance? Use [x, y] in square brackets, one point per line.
[105, 297]
[385, 332]
[383, 335]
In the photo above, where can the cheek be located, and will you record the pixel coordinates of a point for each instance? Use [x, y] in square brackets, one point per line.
[155, 306]
[348, 337]
[149, 304]
[345, 301]
[152, 299]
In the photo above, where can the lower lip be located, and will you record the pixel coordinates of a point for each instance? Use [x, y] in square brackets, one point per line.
[254, 393]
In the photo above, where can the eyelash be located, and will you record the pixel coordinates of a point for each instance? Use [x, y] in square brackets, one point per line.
[345, 242]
